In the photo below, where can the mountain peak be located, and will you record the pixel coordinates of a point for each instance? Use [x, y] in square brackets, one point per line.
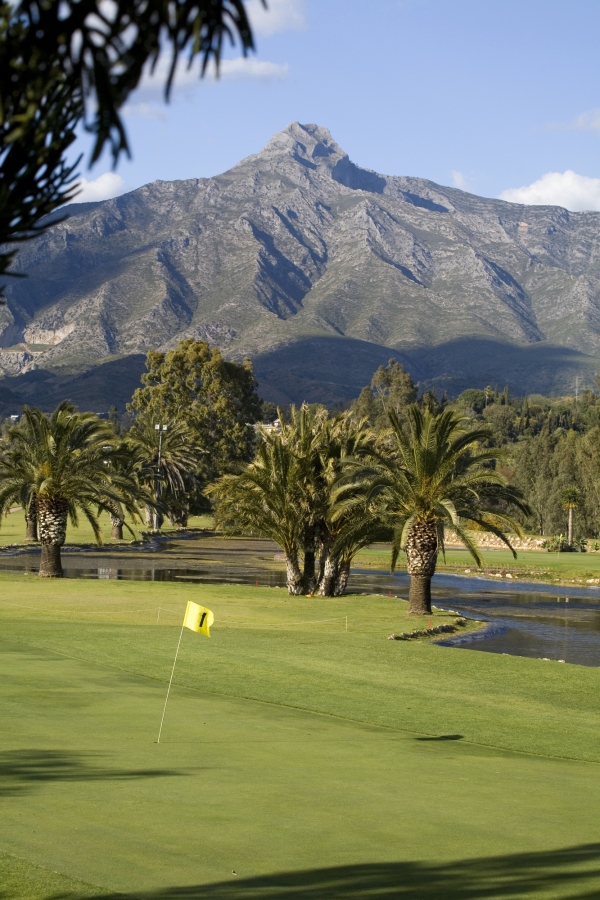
[305, 143]
[294, 255]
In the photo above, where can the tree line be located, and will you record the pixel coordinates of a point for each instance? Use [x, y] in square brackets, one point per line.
[189, 424]
[321, 483]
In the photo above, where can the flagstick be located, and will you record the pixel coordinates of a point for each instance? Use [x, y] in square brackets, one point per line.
[170, 682]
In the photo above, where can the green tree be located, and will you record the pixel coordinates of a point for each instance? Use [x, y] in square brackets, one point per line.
[286, 494]
[473, 399]
[166, 462]
[391, 389]
[63, 460]
[347, 527]
[215, 400]
[431, 475]
[67, 63]
[535, 475]
[265, 499]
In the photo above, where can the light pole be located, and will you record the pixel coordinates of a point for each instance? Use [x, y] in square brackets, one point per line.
[161, 430]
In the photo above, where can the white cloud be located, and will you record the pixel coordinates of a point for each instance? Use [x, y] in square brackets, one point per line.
[585, 121]
[280, 15]
[102, 188]
[568, 189]
[459, 181]
[148, 101]
[152, 86]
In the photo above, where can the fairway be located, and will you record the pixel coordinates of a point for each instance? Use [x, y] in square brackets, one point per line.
[530, 565]
[311, 761]
[12, 529]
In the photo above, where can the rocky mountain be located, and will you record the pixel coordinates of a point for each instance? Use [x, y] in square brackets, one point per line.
[316, 269]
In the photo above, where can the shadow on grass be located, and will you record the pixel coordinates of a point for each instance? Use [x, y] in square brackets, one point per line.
[573, 872]
[443, 737]
[21, 769]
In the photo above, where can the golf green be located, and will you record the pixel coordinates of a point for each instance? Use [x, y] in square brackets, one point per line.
[297, 760]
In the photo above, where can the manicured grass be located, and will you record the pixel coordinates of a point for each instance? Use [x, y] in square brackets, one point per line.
[360, 767]
[12, 529]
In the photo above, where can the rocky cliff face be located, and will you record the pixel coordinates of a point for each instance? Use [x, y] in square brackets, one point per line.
[318, 270]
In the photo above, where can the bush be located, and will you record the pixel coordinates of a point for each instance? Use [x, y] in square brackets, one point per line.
[558, 544]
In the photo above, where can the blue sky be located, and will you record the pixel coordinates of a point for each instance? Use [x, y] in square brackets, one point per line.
[494, 96]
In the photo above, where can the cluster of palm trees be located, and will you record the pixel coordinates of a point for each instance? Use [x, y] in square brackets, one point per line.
[323, 488]
[69, 463]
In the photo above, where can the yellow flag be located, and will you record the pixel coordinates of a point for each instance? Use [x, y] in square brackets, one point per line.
[198, 618]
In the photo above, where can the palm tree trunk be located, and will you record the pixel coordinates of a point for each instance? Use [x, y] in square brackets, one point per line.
[178, 518]
[31, 522]
[310, 575]
[31, 530]
[310, 555]
[330, 571]
[295, 584]
[570, 537]
[419, 595]
[116, 523]
[50, 562]
[52, 515]
[421, 558]
[343, 573]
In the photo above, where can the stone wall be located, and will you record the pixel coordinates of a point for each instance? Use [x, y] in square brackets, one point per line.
[491, 542]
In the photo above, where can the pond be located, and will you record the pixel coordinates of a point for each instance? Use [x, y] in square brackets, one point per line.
[532, 620]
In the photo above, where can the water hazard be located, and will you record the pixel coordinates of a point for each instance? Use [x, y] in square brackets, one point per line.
[525, 620]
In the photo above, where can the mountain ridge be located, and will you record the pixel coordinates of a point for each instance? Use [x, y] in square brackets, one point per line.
[317, 269]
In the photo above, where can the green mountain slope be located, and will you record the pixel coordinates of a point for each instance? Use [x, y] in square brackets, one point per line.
[318, 270]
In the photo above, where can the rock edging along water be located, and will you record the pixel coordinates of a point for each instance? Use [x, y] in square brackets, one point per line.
[427, 632]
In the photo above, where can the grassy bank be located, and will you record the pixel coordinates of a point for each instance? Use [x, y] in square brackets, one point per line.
[530, 565]
[312, 761]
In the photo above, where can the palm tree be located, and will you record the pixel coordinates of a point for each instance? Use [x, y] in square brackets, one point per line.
[179, 471]
[430, 477]
[126, 462]
[266, 499]
[286, 495]
[345, 443]
[306, 437]
[281, 494]
[61, 461]
[570, 502]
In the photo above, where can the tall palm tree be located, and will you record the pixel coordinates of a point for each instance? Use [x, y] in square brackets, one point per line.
[126, 463]
[570, 502]
[265, 499]
[305, 437]
[62, 462]
[345, 443]
[432, 476]
[179, 471]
